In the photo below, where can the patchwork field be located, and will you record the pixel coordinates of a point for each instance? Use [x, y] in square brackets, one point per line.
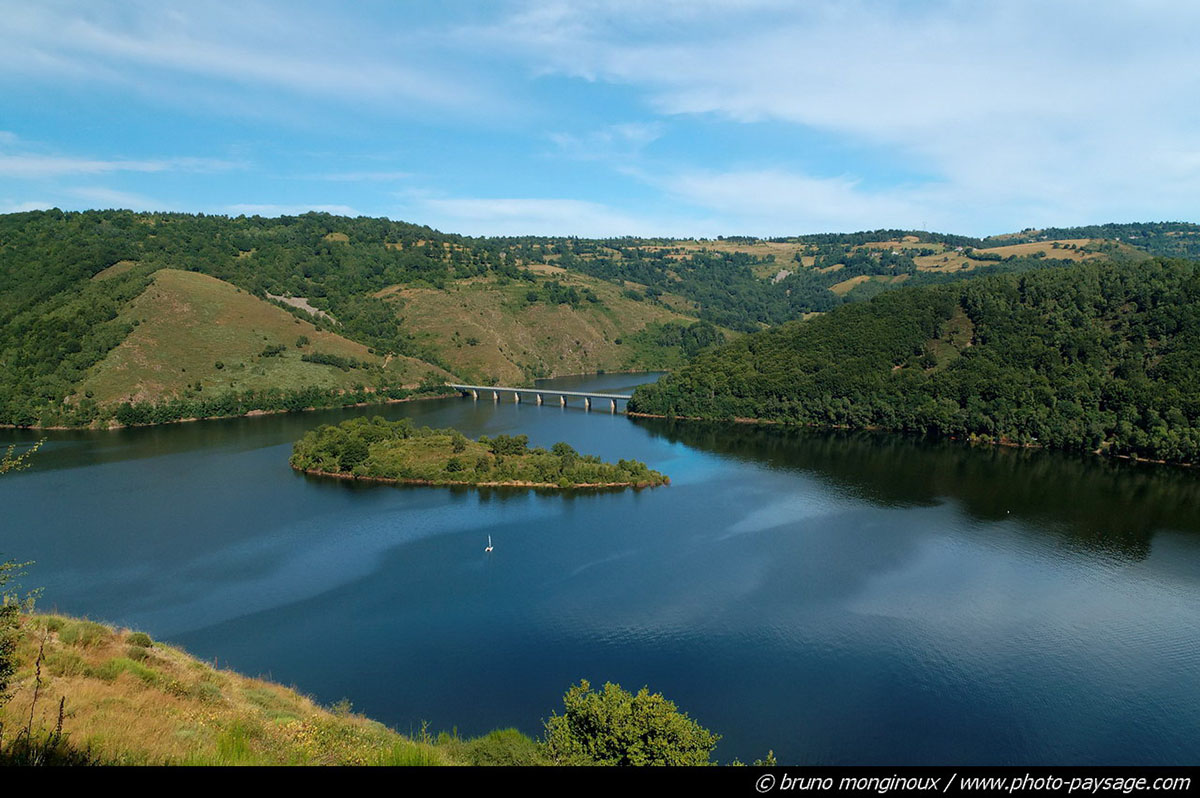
[197, 333]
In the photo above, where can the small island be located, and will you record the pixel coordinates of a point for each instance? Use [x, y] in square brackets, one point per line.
[399, 452]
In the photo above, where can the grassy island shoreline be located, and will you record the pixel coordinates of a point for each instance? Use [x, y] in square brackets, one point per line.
[397, 452]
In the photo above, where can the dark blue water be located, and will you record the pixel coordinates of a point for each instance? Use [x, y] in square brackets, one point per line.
[838, 598]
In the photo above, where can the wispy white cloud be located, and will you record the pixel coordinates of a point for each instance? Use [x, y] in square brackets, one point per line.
[32, 165]
[534, 216]
[766, 202]
[302, 50]
[19, 206]
[965, 116]
[1051, 108]
[620, 141]
[382, 176]
[103, 197]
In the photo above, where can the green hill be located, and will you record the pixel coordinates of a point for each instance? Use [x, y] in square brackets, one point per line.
[1095, 356]
[143, 318]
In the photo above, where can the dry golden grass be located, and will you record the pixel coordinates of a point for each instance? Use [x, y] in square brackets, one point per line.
[488, 331]
[945, 261]
[949, 260]
[134, 703]
[784, 251]
[846, 286]
[189, 322]
[1047, 247]
[548, 269]
[908, 242]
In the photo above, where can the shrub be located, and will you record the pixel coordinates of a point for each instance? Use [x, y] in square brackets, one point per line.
[615, 727]
[83, 633]
[506, 747]
[509, 444]
[140, 639]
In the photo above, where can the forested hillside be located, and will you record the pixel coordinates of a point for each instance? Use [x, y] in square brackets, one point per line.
[98, 317]
[1090, 357]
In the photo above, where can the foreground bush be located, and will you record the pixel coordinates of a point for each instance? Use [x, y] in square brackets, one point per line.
[615, 727]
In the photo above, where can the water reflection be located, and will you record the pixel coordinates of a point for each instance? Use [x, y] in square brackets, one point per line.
[1101, 505]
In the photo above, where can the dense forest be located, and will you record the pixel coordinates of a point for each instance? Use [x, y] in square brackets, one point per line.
[398, 450]
[1096, 357]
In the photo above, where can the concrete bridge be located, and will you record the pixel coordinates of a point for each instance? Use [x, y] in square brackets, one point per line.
[539, 394]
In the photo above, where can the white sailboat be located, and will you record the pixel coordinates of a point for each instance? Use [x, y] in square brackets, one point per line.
[489, 546]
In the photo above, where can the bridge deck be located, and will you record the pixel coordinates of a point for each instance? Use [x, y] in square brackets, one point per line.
[551, 391]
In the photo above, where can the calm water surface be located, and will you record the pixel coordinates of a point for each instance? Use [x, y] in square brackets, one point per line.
[838, 598]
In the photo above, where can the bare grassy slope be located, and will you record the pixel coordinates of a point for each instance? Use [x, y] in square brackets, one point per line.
[189, 322]
[135, 701]
[489, 332]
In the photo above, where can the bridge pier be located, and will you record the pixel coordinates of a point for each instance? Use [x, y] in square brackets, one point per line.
[516, 398]
[539, 399]
[562, 400]
[587, 402]
[495, 396]
[475, 395]
[614, 404]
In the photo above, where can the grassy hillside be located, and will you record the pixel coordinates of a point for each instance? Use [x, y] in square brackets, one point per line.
[194, 333]
[86, 693]
[494, 330]
[100, 309]
[133, 701]
[1095, 357]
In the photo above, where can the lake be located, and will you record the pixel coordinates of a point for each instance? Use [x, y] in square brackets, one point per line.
[835, 597]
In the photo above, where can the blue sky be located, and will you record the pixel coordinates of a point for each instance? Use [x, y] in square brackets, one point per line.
[609, 117]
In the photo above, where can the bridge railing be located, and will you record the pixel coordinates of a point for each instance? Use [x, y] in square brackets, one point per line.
[540, 393]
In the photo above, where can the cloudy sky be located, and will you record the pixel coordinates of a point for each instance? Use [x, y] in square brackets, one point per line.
[609, 117]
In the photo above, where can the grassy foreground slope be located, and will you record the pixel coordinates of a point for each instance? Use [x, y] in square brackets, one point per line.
[86, 693]
[194, 333]
[133, 701]
[1096, 357]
